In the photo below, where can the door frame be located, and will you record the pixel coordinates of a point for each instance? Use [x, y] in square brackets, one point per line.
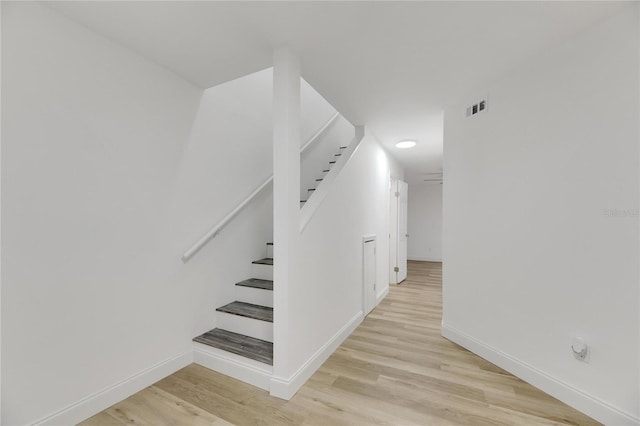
[368, 239]
[393, 229]
[403, 233]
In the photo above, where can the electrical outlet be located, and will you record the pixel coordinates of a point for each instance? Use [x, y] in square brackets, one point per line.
[580, 349]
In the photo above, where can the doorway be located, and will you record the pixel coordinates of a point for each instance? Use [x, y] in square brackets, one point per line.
[369, 286]
[398, 235]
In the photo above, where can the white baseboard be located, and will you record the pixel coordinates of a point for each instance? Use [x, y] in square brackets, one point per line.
[576, 398]
[425, 259]
[286, 388]
[246, 370]
[101, 400]
[382, 295]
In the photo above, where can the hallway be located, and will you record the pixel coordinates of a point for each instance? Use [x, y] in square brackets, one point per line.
[394, 369]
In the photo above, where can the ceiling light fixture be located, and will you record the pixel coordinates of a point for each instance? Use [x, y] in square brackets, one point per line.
[406, 144]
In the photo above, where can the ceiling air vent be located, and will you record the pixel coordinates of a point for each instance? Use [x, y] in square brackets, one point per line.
[477, 108]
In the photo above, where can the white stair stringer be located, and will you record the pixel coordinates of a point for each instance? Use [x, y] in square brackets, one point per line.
[244, 369]
[308, 209]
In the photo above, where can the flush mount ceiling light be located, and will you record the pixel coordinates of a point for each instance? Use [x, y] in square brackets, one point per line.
[406, 144]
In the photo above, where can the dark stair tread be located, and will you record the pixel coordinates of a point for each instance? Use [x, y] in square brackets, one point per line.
[319, 180]
[239, 344]
[265, 261]
[343, 147]
[311, 189]
[269, 244]
[303, 201]
[332, 162]
[248, 310]
[256, 283]
[338, 155]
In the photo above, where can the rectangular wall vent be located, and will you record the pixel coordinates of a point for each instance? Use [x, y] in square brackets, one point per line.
[477, 108]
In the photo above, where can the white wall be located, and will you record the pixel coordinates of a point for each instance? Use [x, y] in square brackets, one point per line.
[533, 255]
[328, 298]
[92, 138]
[111, 168]
[424, 222]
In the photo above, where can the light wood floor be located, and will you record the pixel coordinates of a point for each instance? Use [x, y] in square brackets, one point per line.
[394, 369]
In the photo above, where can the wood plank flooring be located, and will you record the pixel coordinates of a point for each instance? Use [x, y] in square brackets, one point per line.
[395, 369]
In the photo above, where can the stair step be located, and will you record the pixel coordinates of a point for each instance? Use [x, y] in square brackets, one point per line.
[332, 162]
[343, 147]
[269, 244]
[248, 310]
[257, 283]
[338, 155]
[265, 261]
[311, 189]
[319, 180]
[239, 344]
[326, 171]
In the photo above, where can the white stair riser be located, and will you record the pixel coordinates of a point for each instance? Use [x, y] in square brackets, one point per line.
[256, 296]
[264, 272]
[247, 370]
[262, 330]
[270, 251]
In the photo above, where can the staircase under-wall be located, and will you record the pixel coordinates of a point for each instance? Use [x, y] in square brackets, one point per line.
[245, 326]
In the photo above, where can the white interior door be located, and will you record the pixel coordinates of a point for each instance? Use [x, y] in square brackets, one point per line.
[403, 199]
[369, 274]
[393, 230]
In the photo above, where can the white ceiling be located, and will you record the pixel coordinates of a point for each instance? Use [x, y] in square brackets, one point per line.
[392, 66]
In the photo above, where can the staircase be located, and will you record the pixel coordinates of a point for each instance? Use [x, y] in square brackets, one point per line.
[332, 162]
[241, 346]
[245, 326]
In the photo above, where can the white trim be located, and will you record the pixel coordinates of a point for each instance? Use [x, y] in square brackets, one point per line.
[285, 388]
[570, 395]
[244, 369]
[425, 259]
[101, 400]
[380, 297]
[367, 239]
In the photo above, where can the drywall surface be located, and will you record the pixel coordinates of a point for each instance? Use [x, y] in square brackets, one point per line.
[541, 219]
[92, 140]
[111, 168]
[424, 222]
[329, 295]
